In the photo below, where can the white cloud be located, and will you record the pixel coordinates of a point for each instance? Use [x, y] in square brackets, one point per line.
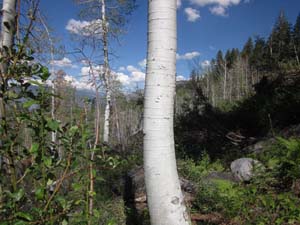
[82, 83]
[205, 64]
[86, 70]
[84, 28]
[188, 55]
[192, 14]
[138, 76]
[123, 79]
[224, 3]
[143, 63]
[63, 63]
[122, 68]
[218, 10]
[131, 75]
[180, 78]
[219, 7]
[178, 4]
[131, 69]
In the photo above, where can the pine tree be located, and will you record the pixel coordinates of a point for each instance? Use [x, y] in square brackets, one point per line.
[248, 49]
[296, 40]
[280, 40]
[259, 58]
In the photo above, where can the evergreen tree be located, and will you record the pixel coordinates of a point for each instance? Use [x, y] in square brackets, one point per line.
[259, 59]
[296, 33]
[296, 40]
[248, 49]
[280, 40]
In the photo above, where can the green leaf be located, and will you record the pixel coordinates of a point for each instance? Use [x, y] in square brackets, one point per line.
[52, 124]
[73, 130]
[45, 73]
[34, 148]
[64, 222]
[48, 161]
[20, 222]
[29, 103]
[76, 186]
[18, 195]
[96, 213]
[40, 193]
[24, 216]
[92, 193]
[34, 82]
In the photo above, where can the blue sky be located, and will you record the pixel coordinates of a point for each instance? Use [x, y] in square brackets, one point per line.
[204, 27]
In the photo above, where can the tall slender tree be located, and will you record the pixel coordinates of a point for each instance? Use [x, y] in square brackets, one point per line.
[8, 27]
[106, 73]
[164, 196]
[7, 38]
[296, 40]
[106, 20]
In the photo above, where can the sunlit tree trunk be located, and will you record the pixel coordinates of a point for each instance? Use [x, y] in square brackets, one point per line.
[225, 80]
[7, 39]
[164, 196]
[106, 76]
[53, 133]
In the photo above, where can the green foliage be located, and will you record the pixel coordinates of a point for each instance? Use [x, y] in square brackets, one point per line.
[267, 199]
[45, 182]
[219, 196]
[196, 170]
[283, 160]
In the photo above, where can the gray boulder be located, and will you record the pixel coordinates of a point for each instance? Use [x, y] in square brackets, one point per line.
[246, 168]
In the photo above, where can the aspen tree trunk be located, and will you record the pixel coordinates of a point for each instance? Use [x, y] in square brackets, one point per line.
[106, 76]
[7, 39]
[53, 133]
[213, 95]
[230, 87]
[225, 80]
[296, 55]
[8, 27]
[164, 196]
[246, 77]
[96, 143]
[207, 85]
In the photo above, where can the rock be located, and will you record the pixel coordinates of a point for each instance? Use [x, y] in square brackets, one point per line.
[245, 168]
[259, 146]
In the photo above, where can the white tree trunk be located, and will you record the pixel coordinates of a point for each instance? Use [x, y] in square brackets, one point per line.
[106, 76]
[53, 133]
[164, 196]
[225, 80]
[107, 117]
[6, 39]
[8, 24]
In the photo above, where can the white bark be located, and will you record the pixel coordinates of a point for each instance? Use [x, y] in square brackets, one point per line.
[7, 40]
[164, 196]
[107, 117]
[106, 76]
[8, 23]
[225, 80]
[53, 133]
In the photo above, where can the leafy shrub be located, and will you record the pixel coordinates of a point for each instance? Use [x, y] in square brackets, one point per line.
[196, 170]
